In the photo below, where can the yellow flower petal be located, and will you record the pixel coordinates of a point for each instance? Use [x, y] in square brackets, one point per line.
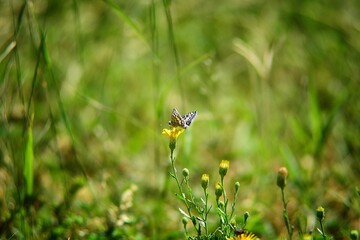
[173, 133]
[246, 236]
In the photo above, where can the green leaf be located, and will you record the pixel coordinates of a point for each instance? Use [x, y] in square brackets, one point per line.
[184, 213]
[29, 158]
[315, 119]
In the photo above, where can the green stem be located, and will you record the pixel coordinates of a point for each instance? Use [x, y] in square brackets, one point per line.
[225, 198]
[206, 212]
[286, 217]
[182, 194]
[233, 205]
[174, 173]
[322, 230]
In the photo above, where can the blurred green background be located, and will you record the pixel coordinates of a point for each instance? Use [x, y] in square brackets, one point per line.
[275, 83]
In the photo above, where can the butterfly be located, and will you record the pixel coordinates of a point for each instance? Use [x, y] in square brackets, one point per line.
[181, 121]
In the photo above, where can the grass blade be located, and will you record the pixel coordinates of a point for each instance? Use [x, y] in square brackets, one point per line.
[29, 158]
[315, 119]
[8, 49]
[127, 20]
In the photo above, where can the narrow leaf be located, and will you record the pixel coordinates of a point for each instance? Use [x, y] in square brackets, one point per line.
[184, 213]
[7, 50]
[29, 158]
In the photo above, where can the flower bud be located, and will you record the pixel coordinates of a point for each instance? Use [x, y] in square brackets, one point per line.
[185, 172]
[320, 213]
[237, 186]
[307, 236]
[184, 221]
[224, 166]
[354, 235]
[204, 181]
[218, 190]
[281, 177]
[246, 216]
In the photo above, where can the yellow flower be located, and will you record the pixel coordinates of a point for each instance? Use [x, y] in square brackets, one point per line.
[307, 237]
[224, 166]
[244, 236]
[173, 133]
[205, 181]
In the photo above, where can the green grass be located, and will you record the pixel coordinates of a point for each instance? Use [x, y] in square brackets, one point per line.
[275, 84]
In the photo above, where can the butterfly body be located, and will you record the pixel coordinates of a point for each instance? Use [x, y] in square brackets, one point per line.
[181, 121]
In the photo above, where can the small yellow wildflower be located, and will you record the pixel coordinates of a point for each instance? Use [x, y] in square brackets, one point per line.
[307, 237]
[224, 166]
[244, 236]
[173, 133]
[205, 181]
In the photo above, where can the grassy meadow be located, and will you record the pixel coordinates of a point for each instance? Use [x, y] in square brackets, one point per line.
[87, 88]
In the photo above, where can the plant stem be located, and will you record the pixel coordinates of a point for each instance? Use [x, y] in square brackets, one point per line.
[206, 212]
[322, 230]
[286, 217]
[233, 205]
[182, 194]
[225, 199]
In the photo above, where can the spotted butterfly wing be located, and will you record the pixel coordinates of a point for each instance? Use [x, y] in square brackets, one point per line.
[181, 121]
[188, 118]
[176, 119]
